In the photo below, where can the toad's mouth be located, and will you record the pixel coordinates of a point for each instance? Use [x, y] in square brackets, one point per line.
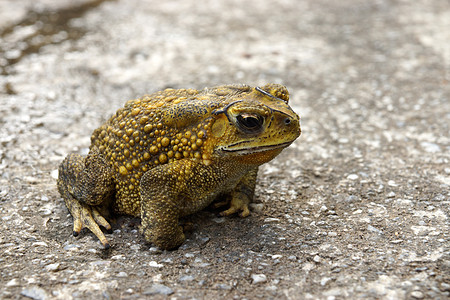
[240, 149]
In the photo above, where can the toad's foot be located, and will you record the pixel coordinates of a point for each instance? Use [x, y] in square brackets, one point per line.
[238, 204]
[86, 184]
[242, 195]
[85, 216]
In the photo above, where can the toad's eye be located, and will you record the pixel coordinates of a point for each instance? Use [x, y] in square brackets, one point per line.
[250, 123]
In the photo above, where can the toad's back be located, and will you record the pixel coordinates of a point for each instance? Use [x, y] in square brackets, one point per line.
[157, 129]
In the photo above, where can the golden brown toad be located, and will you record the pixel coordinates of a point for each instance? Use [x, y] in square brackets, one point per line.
[172, 153]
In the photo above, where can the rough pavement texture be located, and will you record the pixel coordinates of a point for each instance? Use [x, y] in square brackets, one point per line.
[358, 207]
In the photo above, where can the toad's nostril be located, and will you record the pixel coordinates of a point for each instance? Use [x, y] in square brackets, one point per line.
[287, 121]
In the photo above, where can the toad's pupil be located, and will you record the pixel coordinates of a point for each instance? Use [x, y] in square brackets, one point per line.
[250, 122]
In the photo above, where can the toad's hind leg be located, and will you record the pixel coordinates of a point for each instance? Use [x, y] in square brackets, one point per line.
[85, 184]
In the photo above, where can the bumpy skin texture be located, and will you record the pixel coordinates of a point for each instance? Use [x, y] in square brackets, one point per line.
[172, 153]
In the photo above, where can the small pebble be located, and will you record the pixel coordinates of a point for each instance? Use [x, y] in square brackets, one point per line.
[43, 244]
[100, 262]
[445, 287]
[71, 247]
[118, 257]
[439, 197]
[31, 179]
[390, 195]
[46, 212]
[136, 247]
[122, 274]
[324, 281]
[256, 207]
[185, 246]
[158, 288]
[157, 278]
[392, 183]
[54, 174]
[259, 278]
[223, 286]
[154, 264]
[352, 199]
[35, 293]
[203, 240]
[417, 294]
[167, 260]
[186, 278]
[202, 282]
[12, 282]
[198, 262]
[430, 147]
[396, 241]
[52, 267]
[271, 288]
[352, 177]
[373, 229]
[271, 220]
[219, 220]
[154, 250]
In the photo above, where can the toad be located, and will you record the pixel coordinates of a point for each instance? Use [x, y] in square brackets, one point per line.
[172, 153]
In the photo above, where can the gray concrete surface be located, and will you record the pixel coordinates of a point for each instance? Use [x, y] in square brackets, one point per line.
[358, 207]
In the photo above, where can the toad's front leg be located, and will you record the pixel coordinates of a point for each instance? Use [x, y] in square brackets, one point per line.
[160, 213]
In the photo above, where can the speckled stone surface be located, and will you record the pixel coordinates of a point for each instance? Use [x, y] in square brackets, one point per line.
[357, 207]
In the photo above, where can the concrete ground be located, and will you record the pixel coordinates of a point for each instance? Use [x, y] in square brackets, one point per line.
[357, 207]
